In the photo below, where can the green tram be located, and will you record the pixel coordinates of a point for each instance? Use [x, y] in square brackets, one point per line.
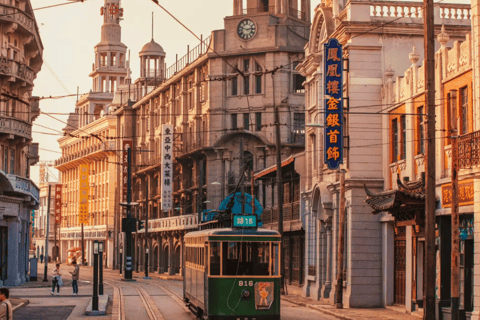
[233, 273]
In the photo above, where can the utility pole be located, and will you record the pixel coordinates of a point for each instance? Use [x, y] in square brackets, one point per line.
[128, 253]
[455, 279]
[279, 187]
[200, 190]
[47, 234]
[146, 232]
[242, 185]
[430, 254]
[341, 243]
[83, 247]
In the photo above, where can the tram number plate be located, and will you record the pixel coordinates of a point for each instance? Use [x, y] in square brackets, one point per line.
[245, 283]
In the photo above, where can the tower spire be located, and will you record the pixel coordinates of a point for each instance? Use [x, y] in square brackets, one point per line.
[152, 25]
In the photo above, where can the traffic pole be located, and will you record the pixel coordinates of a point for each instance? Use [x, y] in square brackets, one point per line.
[100, 276]
[430, 198]
[341, 243]
[47, 234]
[95, 277]
[455, 276]
[146, 233]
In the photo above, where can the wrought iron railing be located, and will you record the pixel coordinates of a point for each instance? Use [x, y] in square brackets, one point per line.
[291, 211]
[190, 57]
[469, 150]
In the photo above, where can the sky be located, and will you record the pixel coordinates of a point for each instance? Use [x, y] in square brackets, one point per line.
[70, 32]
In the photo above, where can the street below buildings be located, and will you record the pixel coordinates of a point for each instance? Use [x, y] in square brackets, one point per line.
[143, 299]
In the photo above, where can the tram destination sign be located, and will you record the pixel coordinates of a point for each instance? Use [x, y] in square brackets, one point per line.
[333, 104]
[243, 221]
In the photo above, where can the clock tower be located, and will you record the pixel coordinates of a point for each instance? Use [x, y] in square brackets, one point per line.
[109, 69]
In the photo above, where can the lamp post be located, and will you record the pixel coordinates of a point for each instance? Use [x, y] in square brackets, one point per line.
[121, 260]
[95, 276]
[146, 264]
[100, 283]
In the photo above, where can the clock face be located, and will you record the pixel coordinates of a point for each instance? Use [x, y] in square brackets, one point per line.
[246, 29]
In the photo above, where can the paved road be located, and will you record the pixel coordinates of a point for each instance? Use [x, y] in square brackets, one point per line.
[144, 299]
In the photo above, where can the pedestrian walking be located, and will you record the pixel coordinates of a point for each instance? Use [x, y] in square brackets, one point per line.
[56, 280]
[6, 310]
[41, 257]
[75, 275]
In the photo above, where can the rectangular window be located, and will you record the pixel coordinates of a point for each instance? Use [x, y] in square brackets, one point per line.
[234, 86]
[258, 84]
[246, 121]
[246, 65]
[245, 258]
[234, 121]
[298, 134]
[214, 253]
[246, 84]
[394, 140]
[258, 121]
[420, 132]
[404, 136]
[464, 111]
[12, 161]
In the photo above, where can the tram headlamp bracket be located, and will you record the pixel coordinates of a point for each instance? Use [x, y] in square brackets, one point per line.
[246, 294]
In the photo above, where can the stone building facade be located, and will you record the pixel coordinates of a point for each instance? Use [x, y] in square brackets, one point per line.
[90, 140]
[21, 52]
[371, 53]
[213, 103]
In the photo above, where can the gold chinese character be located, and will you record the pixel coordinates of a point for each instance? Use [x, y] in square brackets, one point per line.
[333, 54]
[333, 153]
[332, 120]
[333, 136]
[333, 104]
[332, 71]
[332, 87]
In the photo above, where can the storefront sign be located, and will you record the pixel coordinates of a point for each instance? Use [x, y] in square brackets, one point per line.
[167, 167]
[333, 104]
[84, 190]
[465, 194]
[58, 203]
[126, 144]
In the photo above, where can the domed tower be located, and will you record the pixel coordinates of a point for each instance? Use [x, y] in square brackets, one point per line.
[152, 63]
[109, 69]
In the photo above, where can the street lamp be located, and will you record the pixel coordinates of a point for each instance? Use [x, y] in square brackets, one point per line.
[147, 251]
[95, 276]
[313, 124]
[100, 285]
[121, 260]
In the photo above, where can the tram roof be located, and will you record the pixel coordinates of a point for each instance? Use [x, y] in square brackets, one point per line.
[234, 232]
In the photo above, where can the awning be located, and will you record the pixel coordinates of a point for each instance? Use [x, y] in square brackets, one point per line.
[11, 183]
[273, 168]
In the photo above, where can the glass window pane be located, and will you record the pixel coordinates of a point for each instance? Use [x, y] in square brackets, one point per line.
[275, 259]
[245, 258]
[215, 258]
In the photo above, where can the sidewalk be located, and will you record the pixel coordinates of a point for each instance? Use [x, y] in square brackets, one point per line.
[389, 313]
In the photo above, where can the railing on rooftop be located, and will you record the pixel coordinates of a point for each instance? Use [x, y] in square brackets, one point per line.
[190, 57]
[291, 211]
[397, 9]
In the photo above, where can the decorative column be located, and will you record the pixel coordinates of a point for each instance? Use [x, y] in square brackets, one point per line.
[328, 276]
[171, 269]
[278, 7]
[159, 257]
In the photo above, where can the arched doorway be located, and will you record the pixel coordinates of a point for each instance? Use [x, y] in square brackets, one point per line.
[164, 259]
[156, 252]
[176, 260]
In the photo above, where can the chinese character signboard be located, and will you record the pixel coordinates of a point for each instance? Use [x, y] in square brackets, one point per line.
[83, 198]
[127, 144]
[333, 104]
[167, 166]
[465, 194]
[58, 203]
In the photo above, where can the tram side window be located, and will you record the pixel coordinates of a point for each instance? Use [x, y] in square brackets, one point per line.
[245, 258]
[215, 258]
[275, 262]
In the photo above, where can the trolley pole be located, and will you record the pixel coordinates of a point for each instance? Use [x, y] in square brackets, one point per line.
[430, 255]
[455, 279]
[341, 243]
[146, 233]
[279, 188]
[47, 234]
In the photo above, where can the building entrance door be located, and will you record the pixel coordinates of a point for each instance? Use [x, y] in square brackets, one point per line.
[400, 257]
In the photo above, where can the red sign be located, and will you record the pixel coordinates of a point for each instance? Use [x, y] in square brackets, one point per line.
[127, 144]
[58, 203]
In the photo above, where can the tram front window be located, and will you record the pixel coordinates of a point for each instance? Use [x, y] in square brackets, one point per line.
[246, 258]
[215, 258]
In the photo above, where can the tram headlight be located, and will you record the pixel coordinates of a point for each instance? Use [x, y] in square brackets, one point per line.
[246, 294]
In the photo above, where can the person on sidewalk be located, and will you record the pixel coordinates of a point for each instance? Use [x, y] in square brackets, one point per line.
[56, 280]
[41, 257]
[6, 309]
[75, 275]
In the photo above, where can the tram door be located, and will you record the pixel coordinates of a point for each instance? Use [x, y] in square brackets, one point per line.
[400, 257]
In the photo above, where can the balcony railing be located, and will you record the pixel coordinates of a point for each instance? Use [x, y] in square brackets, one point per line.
[186, 222]
[397, 9]
[291, 212]
[190, 57]
[18, 16]
[9, 125]
[15, 69]
[108, 146]
[469, 150]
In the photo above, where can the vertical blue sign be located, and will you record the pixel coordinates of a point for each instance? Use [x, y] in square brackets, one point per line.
[333, 104]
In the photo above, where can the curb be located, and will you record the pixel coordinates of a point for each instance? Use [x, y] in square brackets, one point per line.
[21, 305]
[316, 307]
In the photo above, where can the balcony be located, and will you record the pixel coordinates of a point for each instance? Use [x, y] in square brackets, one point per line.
[95, 152]
[186, 222]
[18, 16]
[291, 212]
[33, 156]
[469, 150]
[15, 70]
[15, 127]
